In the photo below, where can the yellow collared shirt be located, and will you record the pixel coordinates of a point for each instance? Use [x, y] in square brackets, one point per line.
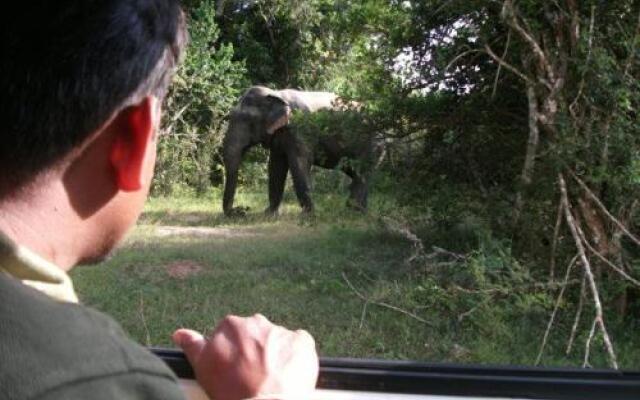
[35, 271]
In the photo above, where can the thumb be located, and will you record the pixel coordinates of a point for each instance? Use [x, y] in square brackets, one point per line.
[191, 342]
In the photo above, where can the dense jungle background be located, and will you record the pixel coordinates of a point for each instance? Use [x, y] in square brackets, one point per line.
[503, 224]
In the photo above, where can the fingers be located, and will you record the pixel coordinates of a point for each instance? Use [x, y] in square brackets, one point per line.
[191, 342]
[305, 337]
[304, 343]
[261, 319]
[248, 356]
[233, 325]
[234, 320]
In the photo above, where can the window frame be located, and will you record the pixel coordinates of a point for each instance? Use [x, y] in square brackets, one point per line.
[408, 377]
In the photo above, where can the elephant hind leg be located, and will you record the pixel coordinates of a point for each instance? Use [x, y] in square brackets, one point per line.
[358, 190]
[358, 196]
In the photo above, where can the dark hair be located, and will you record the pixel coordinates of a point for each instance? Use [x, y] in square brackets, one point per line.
[67, 65]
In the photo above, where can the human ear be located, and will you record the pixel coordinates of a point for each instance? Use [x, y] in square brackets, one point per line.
[133, 143]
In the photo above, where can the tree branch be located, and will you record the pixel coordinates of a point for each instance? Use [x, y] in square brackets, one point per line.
[587, 345]
[555, 309]
[220, 8]
[599, 318]
[504, 55]
[459, 56]
[532, 148]
[382, 304]
[576, 320]
[606, 212]
[634, 40]
[507, 65]
[575, 22]
[509, 14]
[587, 61]
[554, 243]
[609, 263]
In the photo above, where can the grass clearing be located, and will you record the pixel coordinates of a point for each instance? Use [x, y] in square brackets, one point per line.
[185, 265]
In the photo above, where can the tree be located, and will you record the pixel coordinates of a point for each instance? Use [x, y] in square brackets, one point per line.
[579, 68]
[205, 89]
[563, 76]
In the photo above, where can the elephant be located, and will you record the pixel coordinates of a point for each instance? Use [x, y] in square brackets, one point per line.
[263, 117]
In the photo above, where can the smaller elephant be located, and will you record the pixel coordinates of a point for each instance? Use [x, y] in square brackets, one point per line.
[263, 116]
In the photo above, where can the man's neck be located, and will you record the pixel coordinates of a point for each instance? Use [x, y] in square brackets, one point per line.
[43, 221]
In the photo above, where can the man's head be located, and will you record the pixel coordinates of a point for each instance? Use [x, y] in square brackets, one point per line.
[80, 86]
[68, 65]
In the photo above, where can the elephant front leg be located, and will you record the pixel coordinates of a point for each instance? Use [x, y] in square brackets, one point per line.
[278, 169]
[300, 172]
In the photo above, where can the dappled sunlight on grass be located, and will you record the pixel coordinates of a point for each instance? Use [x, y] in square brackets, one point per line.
[289, 268]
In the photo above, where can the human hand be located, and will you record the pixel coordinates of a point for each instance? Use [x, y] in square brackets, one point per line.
[251, 357]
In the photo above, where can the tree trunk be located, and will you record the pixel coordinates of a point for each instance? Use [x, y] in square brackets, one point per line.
[532, 147]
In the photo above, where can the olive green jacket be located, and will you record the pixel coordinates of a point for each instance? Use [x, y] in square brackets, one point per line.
[54, 350]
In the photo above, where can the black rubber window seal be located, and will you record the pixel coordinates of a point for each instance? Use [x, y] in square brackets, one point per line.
[405, 377]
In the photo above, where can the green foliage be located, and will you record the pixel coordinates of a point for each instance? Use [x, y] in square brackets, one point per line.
[283, 42]
[456, 125]
[347, 127]
[205, 89]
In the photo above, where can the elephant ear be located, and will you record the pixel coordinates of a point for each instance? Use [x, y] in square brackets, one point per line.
[278, 115]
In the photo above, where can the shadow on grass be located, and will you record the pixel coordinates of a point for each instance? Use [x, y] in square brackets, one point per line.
[201, 218]
[166, 217]
[214, 219]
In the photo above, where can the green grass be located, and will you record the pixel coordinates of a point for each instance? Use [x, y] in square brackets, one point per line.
[315, 274]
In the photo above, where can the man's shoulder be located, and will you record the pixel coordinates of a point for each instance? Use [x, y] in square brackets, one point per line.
[47, 346]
